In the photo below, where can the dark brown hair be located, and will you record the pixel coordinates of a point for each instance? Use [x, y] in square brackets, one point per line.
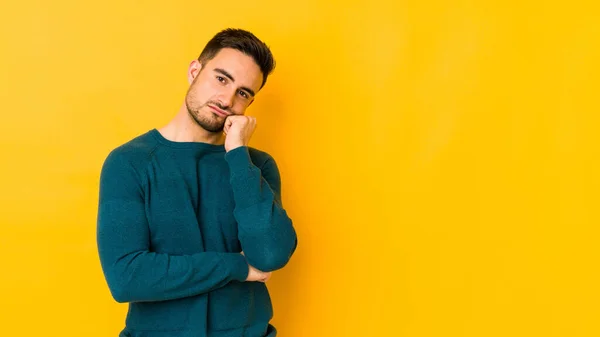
[243, 41]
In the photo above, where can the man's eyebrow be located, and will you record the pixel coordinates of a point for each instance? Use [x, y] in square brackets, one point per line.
[225, 73]
[228, 75]
[248, 90]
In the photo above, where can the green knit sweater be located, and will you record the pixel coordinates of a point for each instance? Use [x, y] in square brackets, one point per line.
[173, 218]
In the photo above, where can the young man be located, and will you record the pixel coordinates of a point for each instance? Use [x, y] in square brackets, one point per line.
[190, 220]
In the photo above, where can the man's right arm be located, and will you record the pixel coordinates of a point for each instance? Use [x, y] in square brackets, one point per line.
[132, 271]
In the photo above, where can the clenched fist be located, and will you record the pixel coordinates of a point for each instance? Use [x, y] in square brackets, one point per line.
[238, 130]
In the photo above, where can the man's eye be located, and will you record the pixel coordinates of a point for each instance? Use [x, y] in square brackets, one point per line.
[221, 79]
[244, 94]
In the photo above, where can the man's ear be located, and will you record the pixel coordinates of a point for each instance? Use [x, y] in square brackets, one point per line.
[193, 70]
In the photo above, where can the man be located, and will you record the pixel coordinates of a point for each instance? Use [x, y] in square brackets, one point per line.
[190, 220]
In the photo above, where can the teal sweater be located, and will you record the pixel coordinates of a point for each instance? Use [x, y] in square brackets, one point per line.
[173, 218]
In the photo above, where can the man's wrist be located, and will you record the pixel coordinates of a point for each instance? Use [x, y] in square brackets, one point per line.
[234, 146]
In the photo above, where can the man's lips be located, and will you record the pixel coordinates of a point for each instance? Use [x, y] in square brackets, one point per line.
[219, 111]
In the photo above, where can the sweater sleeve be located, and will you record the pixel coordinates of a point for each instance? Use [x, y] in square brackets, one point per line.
[265, 231]
[135, 273]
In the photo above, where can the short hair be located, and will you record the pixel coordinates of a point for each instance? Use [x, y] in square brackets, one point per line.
[243, 41]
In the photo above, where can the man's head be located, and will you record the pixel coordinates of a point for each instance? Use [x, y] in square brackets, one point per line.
[230, 71]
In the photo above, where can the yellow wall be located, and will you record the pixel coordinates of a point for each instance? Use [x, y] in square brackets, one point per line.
[440, 158]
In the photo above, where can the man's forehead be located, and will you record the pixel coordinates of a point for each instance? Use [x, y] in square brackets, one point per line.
[241, 66]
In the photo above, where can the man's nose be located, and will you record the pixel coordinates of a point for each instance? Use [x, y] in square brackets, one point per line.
[227, 98]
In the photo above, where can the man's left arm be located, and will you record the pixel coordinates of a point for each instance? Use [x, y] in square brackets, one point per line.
[265, 231]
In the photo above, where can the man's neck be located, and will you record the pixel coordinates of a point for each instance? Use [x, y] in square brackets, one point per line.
[183, 128]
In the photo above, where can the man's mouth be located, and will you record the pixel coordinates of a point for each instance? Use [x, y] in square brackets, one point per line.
[219, 111]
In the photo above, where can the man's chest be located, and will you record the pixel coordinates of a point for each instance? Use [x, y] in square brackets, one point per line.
[190, 211]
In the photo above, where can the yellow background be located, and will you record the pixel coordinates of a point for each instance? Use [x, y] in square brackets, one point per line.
[440, 158]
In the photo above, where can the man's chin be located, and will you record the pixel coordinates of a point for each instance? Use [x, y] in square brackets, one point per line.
[210, 127]
[214, 123]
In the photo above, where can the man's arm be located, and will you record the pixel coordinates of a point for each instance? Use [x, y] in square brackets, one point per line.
[132, 271]
[265, 231]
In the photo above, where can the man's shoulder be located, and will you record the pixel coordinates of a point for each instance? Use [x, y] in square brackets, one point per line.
[259, 157]
[136, 151]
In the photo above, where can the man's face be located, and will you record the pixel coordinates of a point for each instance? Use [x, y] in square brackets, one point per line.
[223, 86]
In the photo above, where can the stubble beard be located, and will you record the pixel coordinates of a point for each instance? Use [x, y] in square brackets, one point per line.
[209, 121]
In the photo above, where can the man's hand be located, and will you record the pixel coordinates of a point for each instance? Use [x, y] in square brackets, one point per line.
[256, 275]
[238, 130]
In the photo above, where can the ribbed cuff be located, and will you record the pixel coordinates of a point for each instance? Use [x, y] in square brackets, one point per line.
[238, 159]
[245, 177]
